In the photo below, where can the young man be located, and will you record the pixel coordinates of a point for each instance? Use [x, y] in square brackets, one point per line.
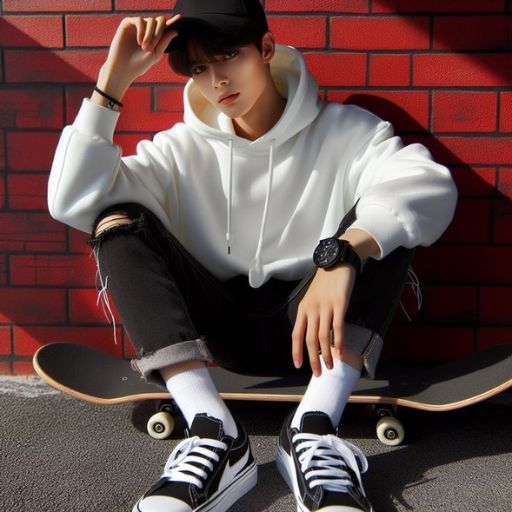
[223, 236]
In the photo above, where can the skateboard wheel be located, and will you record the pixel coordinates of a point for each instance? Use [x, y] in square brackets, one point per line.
[390, 431]
[160, 425]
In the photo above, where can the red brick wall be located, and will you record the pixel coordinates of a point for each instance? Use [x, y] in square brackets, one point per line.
[438, 69]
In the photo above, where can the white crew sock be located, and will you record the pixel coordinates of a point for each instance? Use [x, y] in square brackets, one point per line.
[328, 393]
[195, 393]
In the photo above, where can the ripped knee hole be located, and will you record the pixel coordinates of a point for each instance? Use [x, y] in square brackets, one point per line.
[110, 222]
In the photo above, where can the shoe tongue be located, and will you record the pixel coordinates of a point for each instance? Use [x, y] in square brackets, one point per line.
[316, 423]
[206, 426]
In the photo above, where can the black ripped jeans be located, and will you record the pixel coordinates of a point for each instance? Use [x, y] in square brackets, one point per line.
[175, 310]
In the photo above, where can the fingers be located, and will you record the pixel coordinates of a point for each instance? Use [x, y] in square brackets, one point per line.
[151, 32]
[338, 327]
[312, 344]
[299, 331]
[324, 336]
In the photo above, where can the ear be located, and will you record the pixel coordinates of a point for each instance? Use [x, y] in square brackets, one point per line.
[268, 47]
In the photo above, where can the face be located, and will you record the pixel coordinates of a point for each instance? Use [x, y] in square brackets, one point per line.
[235, 80]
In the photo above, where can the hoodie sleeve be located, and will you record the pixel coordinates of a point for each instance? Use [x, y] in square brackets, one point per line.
[89, 175]
[405, 198]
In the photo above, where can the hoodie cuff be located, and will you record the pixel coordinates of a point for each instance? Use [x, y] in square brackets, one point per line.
[96, 121]
[383, 226]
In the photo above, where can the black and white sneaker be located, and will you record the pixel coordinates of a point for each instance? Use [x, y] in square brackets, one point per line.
[320, 468]
[208, 471]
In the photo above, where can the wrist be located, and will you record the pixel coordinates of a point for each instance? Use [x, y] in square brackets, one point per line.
[363, 244]
[112, 83]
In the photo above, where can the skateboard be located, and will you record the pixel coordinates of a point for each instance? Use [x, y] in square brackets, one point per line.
[100, 378]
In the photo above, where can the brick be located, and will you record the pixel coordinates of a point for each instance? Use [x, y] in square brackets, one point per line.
[390, 70]
[476, 150]
[162, 73]
[2, 194]
[347, 69]
[32, 305]
[56, 5]
[462, 70]
[492, 336]
[31, 108]
[31, 232]
[464, 111]
[386, 33]
[58, 66]
[84, 308]
[27, 192]
[406, 110]
[40, 155]
[91, 30]
[427, 344]
[505, 182]
[502, 208]
[438, 6]
[299, 31]
[450, 304]
[31, 31]
[471, 223]
[137, 112]
[5, 368]
[506, 112]
[169, 99]
[502, 221]
[473, 33]
[476, 181]
[2, 149]
[135, 5]
[3, 269]
[23, 368]
[5, 341]
[347, 6]
[78, 242]
[495, 306]
[27, 341]
[465, 264]
[42, 270]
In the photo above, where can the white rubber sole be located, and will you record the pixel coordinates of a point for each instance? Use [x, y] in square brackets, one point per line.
[224, 499]
[286, 468]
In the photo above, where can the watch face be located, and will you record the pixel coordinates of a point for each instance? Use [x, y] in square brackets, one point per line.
[326, 252]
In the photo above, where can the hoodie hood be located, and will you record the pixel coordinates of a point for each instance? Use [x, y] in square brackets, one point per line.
[294, 82]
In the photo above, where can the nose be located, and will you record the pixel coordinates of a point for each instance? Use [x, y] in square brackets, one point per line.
[219, 79]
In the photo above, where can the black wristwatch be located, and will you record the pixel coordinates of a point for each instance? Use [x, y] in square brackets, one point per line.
[333, 251]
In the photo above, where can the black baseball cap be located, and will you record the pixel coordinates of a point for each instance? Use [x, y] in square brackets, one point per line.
[223, 15]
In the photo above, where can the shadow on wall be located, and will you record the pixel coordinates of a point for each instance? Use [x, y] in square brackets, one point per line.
[47, 276]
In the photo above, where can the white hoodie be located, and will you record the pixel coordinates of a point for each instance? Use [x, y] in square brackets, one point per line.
[259, 207]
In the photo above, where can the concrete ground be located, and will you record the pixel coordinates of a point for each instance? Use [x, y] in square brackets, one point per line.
[61, 455]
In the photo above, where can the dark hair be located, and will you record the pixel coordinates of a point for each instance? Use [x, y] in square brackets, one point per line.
[210, 43]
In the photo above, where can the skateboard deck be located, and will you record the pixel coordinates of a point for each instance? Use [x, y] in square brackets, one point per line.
[100, 378]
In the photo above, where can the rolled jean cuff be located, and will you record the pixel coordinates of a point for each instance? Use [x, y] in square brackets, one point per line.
[365, 342]
[148, 365]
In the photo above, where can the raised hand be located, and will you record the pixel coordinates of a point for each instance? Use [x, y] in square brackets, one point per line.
[138, 44]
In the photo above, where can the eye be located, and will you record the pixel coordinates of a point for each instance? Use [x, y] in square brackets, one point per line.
[197, 70]
[230, 54]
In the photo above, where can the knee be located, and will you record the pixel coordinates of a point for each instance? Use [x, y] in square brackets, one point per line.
[111, 220]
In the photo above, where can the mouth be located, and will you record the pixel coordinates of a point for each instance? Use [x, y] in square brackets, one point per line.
[228, 98]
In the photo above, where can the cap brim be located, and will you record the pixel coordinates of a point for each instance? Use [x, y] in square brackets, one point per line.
[219, 22]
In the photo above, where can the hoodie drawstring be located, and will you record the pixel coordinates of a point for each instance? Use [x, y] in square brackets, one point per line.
[255, 269]
[230, 195]
[257, 256]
